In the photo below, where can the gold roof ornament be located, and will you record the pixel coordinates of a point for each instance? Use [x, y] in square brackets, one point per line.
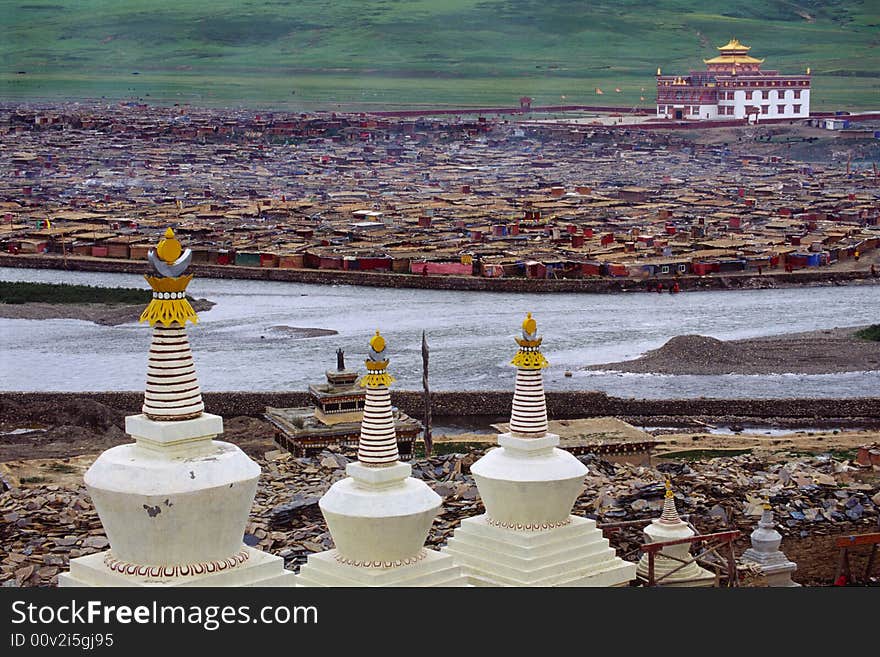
[733, 59]
[529, 356]
[377, 365]
[808, 70]
[669, 492]
[733, 44]
[658, 71]
[733, 52]
[169, 304]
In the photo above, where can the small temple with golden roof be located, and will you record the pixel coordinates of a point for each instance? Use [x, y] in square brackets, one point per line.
[733, 86]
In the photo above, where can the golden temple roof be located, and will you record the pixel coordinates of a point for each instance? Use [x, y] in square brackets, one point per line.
[733, 52]
[733, 44]
[733, 59]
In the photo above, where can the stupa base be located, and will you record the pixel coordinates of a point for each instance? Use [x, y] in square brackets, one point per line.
[775, 569]
[260, 569]
[435, 569]
[780, 575]
[575, 554]
[690, 575]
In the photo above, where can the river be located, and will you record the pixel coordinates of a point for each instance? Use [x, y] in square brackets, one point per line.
[470, 334]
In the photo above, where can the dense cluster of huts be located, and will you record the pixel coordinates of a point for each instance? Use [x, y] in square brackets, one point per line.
[425, 196]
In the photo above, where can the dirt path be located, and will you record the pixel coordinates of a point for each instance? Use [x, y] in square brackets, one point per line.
[801, 441]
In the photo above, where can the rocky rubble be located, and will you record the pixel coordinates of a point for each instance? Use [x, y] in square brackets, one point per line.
[44, 526]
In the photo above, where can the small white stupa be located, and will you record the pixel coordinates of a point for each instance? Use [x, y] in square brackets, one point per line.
[528, 537]
[673, 564]
[379, 516]
[765, 552]
[174, 503]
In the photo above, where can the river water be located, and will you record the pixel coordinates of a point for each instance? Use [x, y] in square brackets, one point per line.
[470, 334]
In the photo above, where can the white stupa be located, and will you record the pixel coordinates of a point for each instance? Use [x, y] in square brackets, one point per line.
[673, 564]
[379, 516]
[528, 537]
[174, 503]
[774, 565]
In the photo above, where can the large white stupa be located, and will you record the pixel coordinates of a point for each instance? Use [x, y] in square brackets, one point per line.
[174, 503]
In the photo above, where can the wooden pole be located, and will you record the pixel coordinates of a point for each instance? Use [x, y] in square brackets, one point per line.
[429, 442]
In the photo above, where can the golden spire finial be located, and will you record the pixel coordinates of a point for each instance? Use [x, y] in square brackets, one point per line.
[169, 304]
[767, 506]
[808, 70]
[169, 248]
[377, 365]
[669, 492]
[658, 70]
[529, 356]
[377, 342]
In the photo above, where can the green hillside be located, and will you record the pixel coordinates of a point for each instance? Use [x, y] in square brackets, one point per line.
[360, 53]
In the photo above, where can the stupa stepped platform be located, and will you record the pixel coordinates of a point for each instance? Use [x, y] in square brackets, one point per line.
[575, 554]
[432, 569]
[257, 569]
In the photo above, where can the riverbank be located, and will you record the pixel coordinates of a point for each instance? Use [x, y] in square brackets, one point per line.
[604, 285]
[827, 351]
[107, 306]
[105, 314]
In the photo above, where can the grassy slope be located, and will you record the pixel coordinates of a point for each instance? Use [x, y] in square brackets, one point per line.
[312, 53]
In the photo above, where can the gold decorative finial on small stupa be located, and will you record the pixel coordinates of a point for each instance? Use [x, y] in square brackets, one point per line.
[377, 364]
[808, 70]
[767, 506]
[529, 356]
[658, 70]
[670, 513]
[169, 304]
